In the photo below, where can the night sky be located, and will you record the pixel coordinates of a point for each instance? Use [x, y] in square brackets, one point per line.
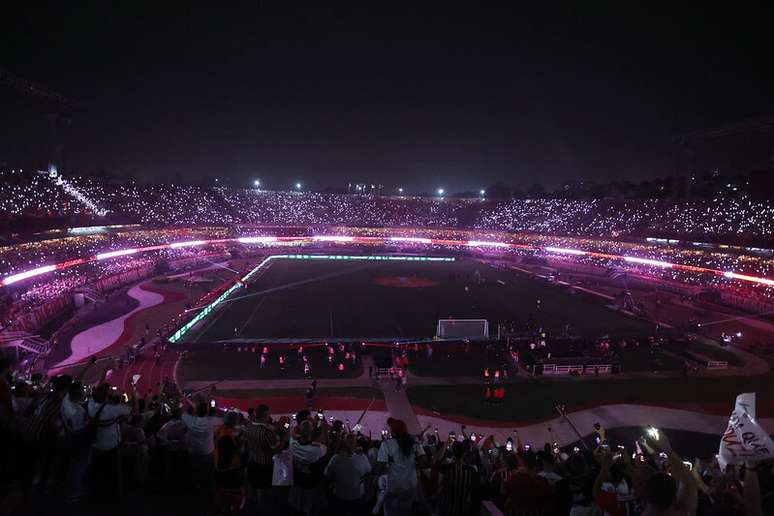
[438, 96]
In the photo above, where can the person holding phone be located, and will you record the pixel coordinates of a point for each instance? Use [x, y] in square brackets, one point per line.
[105, 409]
[399, 455]
[200, 443]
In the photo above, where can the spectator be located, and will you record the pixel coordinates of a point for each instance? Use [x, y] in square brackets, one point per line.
[347, 469]
[228, 465]
[105, 409]
[172, 444]
[399, 455]
[262, 444]
[527, 492]
[74, 423]
[200, 443]
[459, 492]
[306, 493]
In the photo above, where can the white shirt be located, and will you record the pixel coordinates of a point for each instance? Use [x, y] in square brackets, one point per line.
[73, 415]
[108, 431]
[347, 472]
[307, 453]
[199, 438]
[402, 472]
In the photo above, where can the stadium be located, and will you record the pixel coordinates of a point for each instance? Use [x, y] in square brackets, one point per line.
[199, 337]
[443, 319]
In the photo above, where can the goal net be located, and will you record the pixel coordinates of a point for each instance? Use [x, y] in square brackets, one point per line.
[463, 329]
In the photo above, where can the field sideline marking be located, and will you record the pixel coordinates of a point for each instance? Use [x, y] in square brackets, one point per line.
[242, 282]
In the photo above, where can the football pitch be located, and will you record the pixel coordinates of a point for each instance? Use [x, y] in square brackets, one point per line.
[324, 299]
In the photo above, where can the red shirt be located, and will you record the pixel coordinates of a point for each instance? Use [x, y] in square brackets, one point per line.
[528, 491]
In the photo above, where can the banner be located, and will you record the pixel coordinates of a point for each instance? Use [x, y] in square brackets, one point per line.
[744, 439]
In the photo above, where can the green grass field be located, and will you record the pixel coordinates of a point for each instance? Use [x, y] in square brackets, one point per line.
[340, 299]
[219, 364]
[535, 399]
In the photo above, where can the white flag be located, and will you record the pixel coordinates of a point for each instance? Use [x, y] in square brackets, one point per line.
[744, 439]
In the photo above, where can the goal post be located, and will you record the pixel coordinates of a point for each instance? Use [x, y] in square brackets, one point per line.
[462, 329]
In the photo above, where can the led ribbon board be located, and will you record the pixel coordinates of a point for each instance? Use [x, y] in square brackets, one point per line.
[204, 312]
[21, 276]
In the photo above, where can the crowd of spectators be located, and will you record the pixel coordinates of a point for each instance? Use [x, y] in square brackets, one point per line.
[721, 219]
[196, 212]
[73, 446]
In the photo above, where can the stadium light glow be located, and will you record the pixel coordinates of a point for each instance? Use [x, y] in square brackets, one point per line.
[332, 238]
[647, 261]
[257, 240]
[298, 186]
[441, 191]
[257, 183]
[417, 240]
[563, 250]
[482, 193]
[17, 277]
[745, 277]
[486, 243]
[113, 254]
[191, 243]
[13, 278]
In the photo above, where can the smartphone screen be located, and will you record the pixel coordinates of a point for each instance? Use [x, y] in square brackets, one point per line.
[212, 403]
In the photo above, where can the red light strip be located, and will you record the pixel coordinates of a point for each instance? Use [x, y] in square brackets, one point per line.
[14, 278]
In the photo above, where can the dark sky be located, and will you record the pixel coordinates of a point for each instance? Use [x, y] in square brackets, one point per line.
[458, 97]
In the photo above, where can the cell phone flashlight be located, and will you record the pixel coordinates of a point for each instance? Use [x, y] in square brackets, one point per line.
[473, 437]
[212, 403]
[653, 432]
[575, 449]
[114, 388]
[527, 447]
[286, 425]
[509, 446]
[436, 430]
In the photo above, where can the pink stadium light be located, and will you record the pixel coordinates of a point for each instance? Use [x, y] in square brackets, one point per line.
[333, 238]
[13, 278]
[647, 261]
[257, 239]
[485, 243]
[745, 277]
[562, 250]
[192, 243]
[113, 254]
[411, 239]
